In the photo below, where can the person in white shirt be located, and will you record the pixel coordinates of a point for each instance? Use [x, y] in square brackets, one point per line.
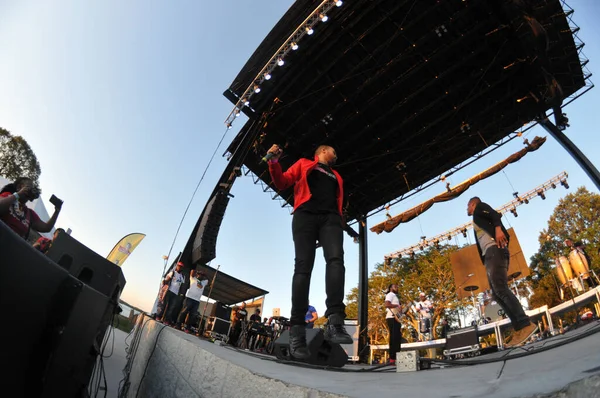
[391, 302]
[187, 316]
[174, 279]
[425, 310]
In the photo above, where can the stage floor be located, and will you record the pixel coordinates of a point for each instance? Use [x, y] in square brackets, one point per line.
[536, 369]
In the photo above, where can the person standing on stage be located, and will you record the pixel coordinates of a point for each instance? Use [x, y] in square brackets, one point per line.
[187, 315]
[395, 336]
[318, 200]
[311, 316]
[492, 243]
[424, 308]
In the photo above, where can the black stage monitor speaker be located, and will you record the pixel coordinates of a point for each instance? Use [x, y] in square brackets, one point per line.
[323, 353]
[87, 266]
[221, 310]
[55, 323]
[462, 338]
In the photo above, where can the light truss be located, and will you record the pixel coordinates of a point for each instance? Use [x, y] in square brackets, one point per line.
[307, 27]
[560, 179]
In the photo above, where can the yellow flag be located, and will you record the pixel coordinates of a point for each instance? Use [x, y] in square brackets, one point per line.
[123, 249]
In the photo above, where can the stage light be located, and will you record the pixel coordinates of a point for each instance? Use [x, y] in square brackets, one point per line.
[541, 195]
[323, 17]
[564, 183]
[256, 89]
[229, 125]
[294, 46]
[280, 61]
[411, 254]
[553, 185]
[464, 232]
[237, 112]
[514, 212]
[526, 201]
[449, 237]
[246, 102]
[339, 3]
[267, 76]
[309, 30]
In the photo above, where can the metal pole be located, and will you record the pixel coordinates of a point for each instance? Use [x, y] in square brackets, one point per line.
[212, 284]
[572, 149]
[363, 290]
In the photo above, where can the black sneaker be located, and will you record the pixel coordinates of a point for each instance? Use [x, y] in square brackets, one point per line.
[298, 347]
[335, 332]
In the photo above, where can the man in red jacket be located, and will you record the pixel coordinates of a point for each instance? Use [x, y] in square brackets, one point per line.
[318, 198]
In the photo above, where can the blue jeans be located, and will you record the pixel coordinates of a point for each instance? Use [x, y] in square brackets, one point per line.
[496, 266]
[307, 228]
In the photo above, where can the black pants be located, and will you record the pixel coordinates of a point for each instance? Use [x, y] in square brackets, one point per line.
[190, 309]
[307, 228]
[395, 336]
[496, 265]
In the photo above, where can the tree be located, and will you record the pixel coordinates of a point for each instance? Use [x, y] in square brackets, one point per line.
[17, 158]
[429, 271]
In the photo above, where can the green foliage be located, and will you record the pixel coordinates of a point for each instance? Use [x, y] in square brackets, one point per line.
[17, 158]
[429, 271]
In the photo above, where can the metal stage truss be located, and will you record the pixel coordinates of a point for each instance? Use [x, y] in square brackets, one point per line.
[560, 179]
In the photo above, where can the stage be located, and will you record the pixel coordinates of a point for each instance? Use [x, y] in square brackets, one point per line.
[165, 362]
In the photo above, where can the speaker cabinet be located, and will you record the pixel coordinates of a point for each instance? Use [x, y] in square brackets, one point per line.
[220, 326]
[462, 338]
[87, 266]
[323, 353]
[54, 323]
[205, 242]
[220, 310]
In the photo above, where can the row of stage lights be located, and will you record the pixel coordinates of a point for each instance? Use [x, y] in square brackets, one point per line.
[509, 207]
[278, 59]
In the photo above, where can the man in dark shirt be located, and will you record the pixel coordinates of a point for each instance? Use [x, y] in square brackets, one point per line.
[492, 243]
[318, 199]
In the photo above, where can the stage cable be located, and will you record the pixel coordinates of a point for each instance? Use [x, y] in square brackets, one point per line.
[192, 199]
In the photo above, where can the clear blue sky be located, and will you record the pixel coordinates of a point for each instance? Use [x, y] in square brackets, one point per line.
[122, 103]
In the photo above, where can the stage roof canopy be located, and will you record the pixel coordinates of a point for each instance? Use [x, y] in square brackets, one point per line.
[229, 290]
[406, 90]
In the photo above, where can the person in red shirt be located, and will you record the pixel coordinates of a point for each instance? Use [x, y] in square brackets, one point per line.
[318, 199]
[15, 213]
[43, 244]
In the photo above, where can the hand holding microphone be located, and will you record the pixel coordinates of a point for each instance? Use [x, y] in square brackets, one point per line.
[273, 153]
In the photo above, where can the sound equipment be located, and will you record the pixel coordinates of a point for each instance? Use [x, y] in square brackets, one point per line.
[462, 337]
[54, 323]
[205, 242]
[462, 341]
[468, 268]
[87, 266]
[219, 326]
[220, 310]
[322, 352]
[351, 326]
[407, 361]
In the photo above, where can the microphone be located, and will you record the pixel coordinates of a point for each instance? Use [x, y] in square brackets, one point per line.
[268, 157]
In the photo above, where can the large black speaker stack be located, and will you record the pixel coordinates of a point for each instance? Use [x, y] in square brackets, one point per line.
[323, 353]
[204, 248]
[54, 323]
